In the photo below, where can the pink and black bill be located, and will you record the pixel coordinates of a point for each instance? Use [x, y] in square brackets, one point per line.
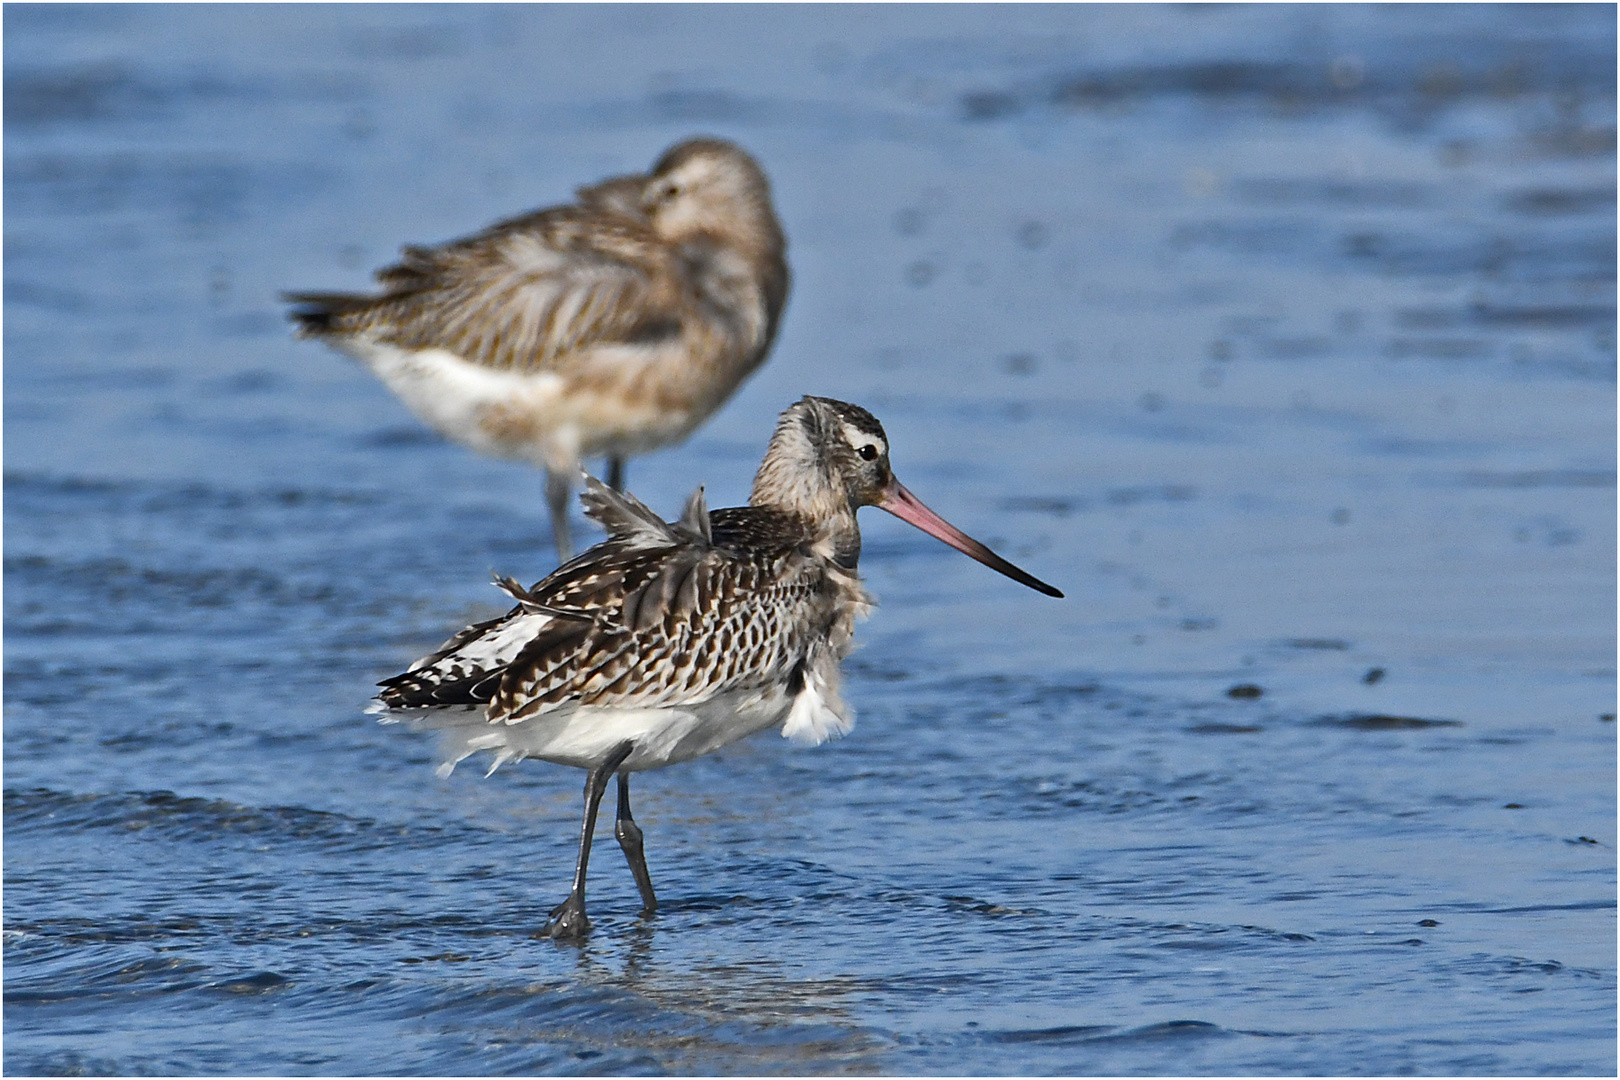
[908, 508]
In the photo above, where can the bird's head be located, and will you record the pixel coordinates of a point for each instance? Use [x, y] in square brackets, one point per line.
[828, 458]
[712, 188]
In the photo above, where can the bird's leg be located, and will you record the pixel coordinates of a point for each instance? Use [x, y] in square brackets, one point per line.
[629, 834]
[615, 466]
[557, 496]
[568, 918]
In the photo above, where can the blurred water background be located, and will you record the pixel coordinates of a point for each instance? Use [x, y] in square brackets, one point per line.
[1281, 338]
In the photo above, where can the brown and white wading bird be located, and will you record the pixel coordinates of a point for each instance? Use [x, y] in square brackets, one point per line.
[669, 641]
[613, 326]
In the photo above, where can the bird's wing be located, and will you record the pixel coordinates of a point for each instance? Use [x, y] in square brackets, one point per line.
[632, 623]
[466, 670]
[527, 294]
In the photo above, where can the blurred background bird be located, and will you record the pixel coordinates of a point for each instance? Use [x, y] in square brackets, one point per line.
[612, 326]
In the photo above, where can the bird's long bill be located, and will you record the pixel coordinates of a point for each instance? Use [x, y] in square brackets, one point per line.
[907, 507]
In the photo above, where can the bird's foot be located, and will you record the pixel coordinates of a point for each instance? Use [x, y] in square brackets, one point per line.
[567, 922]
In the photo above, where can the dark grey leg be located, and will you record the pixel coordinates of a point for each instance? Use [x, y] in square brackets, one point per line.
[629, 834]
[616, 473]
[568, 918]
[557, 496]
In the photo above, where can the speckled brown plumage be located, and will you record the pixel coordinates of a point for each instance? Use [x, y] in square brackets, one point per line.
[641, 621]
[612, 326]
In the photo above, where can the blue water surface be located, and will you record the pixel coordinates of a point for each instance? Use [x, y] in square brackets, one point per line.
[1281, 338]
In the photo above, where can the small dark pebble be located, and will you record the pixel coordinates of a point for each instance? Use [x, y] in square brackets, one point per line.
[1373, 675]
[1244, 690]
[1513, 806]
[1428, 922]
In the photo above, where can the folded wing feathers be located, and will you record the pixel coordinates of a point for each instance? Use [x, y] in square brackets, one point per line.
[468, 668]
[525, 662]
[530, 605]
[624, 516]
[695, 518]
[525, 294]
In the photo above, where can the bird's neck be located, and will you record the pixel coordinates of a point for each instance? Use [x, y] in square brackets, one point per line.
[791, 481]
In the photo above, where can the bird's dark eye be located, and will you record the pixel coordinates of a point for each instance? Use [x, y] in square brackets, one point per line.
[868, 452]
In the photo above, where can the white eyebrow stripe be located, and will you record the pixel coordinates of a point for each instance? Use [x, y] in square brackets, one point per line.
[857, 437]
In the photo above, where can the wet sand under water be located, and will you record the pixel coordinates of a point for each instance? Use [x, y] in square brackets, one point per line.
[1281, 339]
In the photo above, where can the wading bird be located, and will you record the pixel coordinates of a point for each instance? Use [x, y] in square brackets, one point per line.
[670, 640]
[613, 326]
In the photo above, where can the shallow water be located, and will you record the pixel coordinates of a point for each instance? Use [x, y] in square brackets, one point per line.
[1281, 339]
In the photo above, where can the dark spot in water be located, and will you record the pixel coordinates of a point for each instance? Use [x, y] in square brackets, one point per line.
[1272, 80]
[1551, 201]
[445, 957]
[1245, 691]
[262, 983]
[1161, 493]
[1019, 364]
[982, 907]
[1513, 806]
[1316, 643]
[1373, 676]
[1055, 507]
[1174, 1029]
[1438, 348]
[988, 105]
[1335, 193]
[1078, 1031]
[1607, 718]
[105, 91]
[411, 436]
[1583, 840]
[1428, 922]
[919, 274]
[407, 42]
[1378, 722]
[1032, 235]
[1545, 316]
[48, 297]
[1224, 729]
[1538, 478]
[253, 381]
